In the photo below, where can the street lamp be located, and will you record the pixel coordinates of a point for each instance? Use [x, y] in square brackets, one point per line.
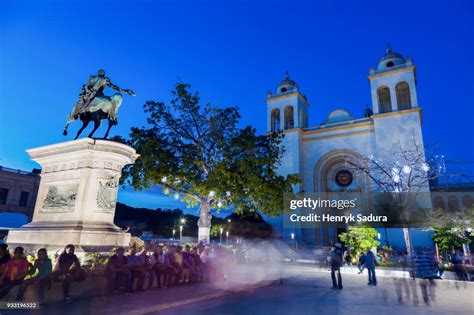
[229, 220]
[183, 220]
[222, 230]
[174, 232]
[227, 237]
[180, 232]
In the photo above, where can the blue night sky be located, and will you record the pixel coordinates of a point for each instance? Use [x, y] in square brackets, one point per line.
[232, 52]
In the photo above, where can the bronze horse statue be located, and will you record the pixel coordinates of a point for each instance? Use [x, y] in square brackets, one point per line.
[101, 107]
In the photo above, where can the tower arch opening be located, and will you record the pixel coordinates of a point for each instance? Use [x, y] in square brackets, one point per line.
[275, 119]
[385, 103]
[289, 117]
[403, 96]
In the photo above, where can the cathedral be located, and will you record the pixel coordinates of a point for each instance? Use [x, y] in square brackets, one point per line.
[319, 153]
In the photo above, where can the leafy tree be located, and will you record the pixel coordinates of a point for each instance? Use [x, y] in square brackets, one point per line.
[359, 239]
[197, 153]
[446, 239]
[449, 227]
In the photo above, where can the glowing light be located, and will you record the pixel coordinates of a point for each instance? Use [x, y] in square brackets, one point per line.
[292, 236]
[212, 193]
[406, 169]
[176, 196]
[164, 179]
[227, 193]
[219, 204]
[182, 221]
[396, 178]
[425, 167]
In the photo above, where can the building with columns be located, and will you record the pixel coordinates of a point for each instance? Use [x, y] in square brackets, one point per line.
[319, 153]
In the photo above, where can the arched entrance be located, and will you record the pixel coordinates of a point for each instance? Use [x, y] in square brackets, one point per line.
[333, 174]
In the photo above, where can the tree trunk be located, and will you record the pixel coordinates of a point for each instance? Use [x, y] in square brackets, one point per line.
[406, 236]
[204, 222]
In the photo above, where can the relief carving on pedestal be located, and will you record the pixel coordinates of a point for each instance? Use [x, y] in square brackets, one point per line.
[107, 195]
[60, 198]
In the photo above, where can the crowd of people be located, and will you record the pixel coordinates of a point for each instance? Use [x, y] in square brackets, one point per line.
[141, 268]
[16, 271]
[162, 267]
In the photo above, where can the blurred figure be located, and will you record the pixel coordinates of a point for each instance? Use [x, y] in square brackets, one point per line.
[169, 261]
[160, 267]
[198, 274]
[4, 258]
[370, 263]
[347, 258]
[136, 265]
[207, 262]
[116, 272]
[361, 262]
[14, 273]
[457, 259]
[336, 263]
[188, 263]
[426, 270]
[68, 269]
[42, 279]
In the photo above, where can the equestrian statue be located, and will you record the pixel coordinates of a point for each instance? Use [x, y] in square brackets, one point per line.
[94, 106]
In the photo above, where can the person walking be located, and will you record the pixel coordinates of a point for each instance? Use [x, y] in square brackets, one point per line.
[370, 263]
[361, 262]
[336, 263]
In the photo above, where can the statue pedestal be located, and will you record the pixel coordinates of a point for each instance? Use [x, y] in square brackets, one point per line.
[76, 197]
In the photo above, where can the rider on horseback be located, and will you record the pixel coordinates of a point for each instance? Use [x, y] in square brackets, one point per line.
[94, 87]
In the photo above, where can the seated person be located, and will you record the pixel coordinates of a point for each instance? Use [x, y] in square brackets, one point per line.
[42, 271]
[207, 262]
[137, 269]
[4, 257]
[15, 271]
[170, 265]
[188, 264]
[179, 265]
[198, 273]
[161, 269]
[149, 265]
[68, 269]
[116, 272]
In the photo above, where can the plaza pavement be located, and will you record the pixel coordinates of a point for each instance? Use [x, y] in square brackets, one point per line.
[257, 290]
[306, 290]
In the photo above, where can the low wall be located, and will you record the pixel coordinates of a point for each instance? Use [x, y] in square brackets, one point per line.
[93, 286]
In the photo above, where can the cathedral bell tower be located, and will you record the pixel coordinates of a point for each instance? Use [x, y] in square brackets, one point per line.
[393, 83]
[287, 109]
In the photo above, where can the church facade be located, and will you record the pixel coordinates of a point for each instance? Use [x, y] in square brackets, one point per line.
[319, 153]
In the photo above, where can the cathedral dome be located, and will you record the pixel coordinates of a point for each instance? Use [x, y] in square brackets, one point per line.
[390, 59]
[287, 85]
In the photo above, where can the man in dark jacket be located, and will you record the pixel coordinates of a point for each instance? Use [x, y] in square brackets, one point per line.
[370, 262]
[336, 263]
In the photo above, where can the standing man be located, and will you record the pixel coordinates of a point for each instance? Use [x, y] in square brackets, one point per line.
[336, 263]
[370, 262]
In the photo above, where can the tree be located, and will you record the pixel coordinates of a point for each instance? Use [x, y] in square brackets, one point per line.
[198, 154]
[451, 229]
[402, 175]
[359, 239]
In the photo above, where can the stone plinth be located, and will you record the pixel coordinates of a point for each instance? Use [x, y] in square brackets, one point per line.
[76, 197]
